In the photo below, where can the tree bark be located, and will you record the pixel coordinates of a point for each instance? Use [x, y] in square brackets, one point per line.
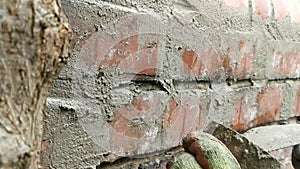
[34, 38]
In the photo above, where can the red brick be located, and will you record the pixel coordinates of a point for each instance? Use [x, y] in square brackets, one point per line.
[204, 64]
[127, 137]
[286, 63]
[200, 122]
[211, 63]
[238, 59]
[236, 3]
[167, 119]
[171, 118]
[242, 108]
[193, 64]
[296, 107]
[241, 45]
[244, 66]
[120, 51]
[281, 8]
[142, 106]
[127, 56]
[188, 113]
[143, 61]
[101, 48]
[170, 115]
[262, 8]
[189, 58]
[268, 105]
[294, 8]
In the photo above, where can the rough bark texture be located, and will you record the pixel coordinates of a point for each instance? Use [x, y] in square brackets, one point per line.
[34, 37]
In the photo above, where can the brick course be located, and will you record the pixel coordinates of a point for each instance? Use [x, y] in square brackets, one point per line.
[144, 74]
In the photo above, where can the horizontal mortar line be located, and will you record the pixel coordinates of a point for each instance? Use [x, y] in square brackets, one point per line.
[206, 83]
[281, 81]
[155, 83]
[284, 79]
[251, 82]
[198, 80]
[159, 87]
[163, 155]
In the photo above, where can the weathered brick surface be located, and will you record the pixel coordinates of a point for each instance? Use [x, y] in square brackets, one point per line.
[296, 105]
[261, 8]
[237, 3]
[143, 74]
[265, 103]
[281, 9]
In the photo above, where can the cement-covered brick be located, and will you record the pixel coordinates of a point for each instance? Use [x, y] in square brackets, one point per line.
[294, 10]
[296, 99]
[281, 9]
[257, 107]
[249, 106]
[236, 3]
[65, 142]
[144, 73]
[262, 8]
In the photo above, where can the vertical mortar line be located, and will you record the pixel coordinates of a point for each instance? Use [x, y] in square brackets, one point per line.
[250, 12]
[272, 10]
[274, 25]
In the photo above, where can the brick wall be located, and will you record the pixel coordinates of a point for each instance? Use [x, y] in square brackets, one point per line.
[144, 74]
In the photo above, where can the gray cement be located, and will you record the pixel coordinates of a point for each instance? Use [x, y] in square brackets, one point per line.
[81, 105]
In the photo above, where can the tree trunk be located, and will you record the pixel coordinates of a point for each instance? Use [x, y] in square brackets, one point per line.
[34, 37]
